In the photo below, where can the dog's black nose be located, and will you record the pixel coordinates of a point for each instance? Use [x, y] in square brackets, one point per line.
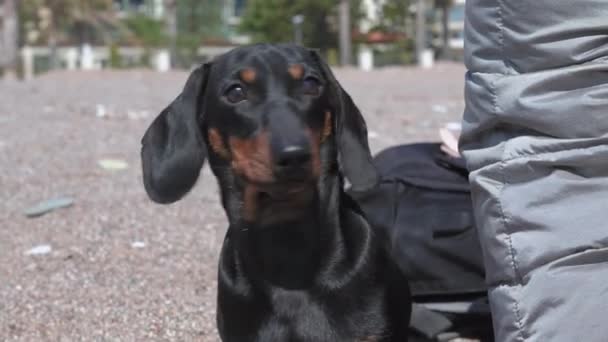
[293, 156]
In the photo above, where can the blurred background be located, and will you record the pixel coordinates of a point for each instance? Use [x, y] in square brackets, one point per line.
[84, 254]
[41, 35]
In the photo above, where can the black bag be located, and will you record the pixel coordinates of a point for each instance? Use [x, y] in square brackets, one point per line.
[422, 211]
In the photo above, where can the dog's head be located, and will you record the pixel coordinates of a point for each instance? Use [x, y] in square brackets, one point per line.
[270, 118]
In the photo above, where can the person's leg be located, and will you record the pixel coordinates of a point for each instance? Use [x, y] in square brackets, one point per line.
[535, 137]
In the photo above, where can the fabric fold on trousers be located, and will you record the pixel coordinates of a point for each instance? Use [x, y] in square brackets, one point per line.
[535, 137]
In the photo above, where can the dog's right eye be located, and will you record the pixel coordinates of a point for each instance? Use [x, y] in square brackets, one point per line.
[235, 94]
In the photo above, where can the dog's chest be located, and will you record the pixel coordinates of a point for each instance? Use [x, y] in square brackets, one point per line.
[297, 316]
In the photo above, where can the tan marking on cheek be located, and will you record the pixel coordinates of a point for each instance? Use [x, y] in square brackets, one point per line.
[251, 157]
[327, 126]
[248, 75]
[296, 71]
[217, 145]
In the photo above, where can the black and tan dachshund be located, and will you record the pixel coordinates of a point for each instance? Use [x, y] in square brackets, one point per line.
[299, 261]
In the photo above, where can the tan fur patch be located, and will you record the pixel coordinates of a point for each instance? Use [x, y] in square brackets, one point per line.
[327, 126]
[369, 339]
[296, 71]
[250, 203]
[316, 139]
[251, 157]
[252, 160]
[248, 75]
[315, 149]
[217, 144]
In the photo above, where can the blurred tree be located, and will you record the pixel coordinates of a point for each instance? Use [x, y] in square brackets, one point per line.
[9, 39]
[270, 21]
[195, 22]
[115, 59]
[344, 33]
[444, 6]
[395, 15]
[171, 27]
[149, 31]
[64, 21]
[52, 21]
[202, 18]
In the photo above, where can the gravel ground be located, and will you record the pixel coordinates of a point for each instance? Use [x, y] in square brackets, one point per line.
[121, 268]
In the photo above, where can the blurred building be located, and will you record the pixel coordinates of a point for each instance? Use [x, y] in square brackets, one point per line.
[233, 11]
[454, 30]
[154, 8]
[456, 26]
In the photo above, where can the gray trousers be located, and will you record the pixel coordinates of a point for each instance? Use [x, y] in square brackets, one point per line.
[535, 137]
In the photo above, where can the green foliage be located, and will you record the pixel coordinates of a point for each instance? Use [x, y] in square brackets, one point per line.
[115, 57]
[396, 18]
[62, 19]
[197, 21]
[200, 18]
[187, 45]
[149, 31]
[270, 21]
[398, 53]
[394, 15]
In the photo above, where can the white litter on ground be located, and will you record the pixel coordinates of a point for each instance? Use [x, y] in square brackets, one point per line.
[100, 111]
[138, 244]
[137, 114]
[113, 164]
[372, 134]
[39, 250]
[439, 109]
[454, 126]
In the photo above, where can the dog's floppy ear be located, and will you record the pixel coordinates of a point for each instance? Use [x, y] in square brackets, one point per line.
[353, 149]
[173, 149]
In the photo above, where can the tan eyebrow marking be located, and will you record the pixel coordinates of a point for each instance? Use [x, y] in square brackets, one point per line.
[296, 71]
[247, 75]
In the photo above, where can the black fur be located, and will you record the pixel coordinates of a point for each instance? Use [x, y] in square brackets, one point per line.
[318, 273]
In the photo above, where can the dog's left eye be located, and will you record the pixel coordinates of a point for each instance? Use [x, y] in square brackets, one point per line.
[235, 94]
[311, 86]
